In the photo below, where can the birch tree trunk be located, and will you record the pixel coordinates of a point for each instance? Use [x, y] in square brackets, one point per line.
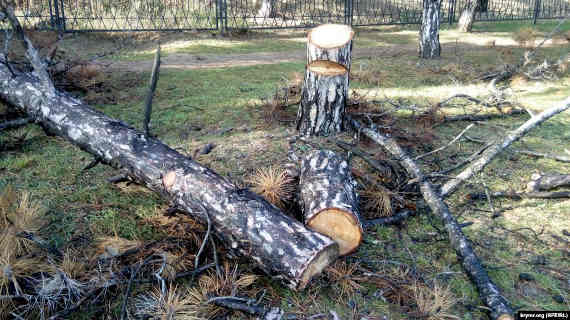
[329, 199]
[323, 99]
[429, 46]
[467, 17]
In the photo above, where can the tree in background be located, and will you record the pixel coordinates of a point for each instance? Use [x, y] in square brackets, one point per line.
[429, 46]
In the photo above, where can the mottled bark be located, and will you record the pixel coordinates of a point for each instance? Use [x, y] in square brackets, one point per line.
[545, 182]
[488, 291]
[489, 154]
[246, 224]
[465, 23]
[323, 99]
[429, 46]
[329, 200]
[330, 42]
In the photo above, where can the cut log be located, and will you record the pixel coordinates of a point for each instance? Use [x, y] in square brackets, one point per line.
[244, 222]
[329, 199]
[323, 99]
[544, 182]
[330, 42]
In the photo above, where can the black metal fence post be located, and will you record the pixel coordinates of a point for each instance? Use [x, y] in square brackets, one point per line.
[536, 11]
[451, 12]
[348, 12]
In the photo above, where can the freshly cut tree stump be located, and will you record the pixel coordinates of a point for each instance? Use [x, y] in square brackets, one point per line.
[329, 199]
[246, 224]
[323, 99]
[330, 42]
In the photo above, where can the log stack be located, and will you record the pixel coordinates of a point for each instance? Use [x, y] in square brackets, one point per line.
[325, 90]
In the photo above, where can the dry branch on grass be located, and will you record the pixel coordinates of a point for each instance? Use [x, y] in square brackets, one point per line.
[488, 291]
[495, 149]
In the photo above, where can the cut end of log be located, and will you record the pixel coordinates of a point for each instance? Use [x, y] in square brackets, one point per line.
[339, 225]
[318, 264]
[169, 179]
[330, 36]
[327, 68]
[505, 317]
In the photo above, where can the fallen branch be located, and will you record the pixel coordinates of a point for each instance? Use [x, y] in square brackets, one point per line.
[482, 117]
[499, 306]
[395, 219]
[520, 195]
[543, 155]
[544, 182]
[445, 146]
[489, 154]
[13, 124]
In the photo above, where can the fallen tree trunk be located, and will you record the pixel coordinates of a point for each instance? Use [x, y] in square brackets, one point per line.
[488, 291]
[330, 42]
[323, 99]
[329, 199]
[246, 223]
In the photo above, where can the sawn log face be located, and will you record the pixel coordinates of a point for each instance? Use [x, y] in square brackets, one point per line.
[329, 199]
[246, 223]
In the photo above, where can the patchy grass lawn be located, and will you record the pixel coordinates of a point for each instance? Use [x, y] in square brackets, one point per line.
[232, 109]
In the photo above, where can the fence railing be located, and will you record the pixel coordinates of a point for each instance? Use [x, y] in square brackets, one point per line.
[164, 15]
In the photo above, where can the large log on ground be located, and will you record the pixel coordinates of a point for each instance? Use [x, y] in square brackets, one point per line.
[329, 199]
[323, 99]
[330, 42]
[245, 223]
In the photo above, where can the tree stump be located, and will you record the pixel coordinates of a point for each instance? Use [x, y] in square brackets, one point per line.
[323, 99]
[330, 42]
[329, 200]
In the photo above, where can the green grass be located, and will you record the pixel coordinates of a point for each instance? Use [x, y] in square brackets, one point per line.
[83, 205]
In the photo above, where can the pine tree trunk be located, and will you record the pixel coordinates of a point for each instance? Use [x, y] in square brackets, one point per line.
[246, 224]
[429, 46]
[467, 17]
[329, 199]
[323, 99]
[330, 42]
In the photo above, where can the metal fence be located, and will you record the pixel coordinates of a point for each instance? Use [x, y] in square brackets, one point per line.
[165, 15]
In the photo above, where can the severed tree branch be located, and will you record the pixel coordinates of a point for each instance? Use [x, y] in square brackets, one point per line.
[13, 124]
[445, 146]
[499, 306]
[151, 90]
[489, 154]
[543, 155]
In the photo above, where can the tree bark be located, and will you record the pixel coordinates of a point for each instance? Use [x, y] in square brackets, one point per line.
[330, 42]
[13, 124]
[323, 99]
[488, 291]
[465, 23]
[429, 46]
[246, 224]
[329, 199]
[545, 182]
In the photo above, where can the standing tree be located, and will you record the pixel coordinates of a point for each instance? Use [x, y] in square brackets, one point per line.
[467, 17]
[429, 31]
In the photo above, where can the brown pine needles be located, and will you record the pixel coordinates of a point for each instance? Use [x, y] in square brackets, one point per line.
[273, 184]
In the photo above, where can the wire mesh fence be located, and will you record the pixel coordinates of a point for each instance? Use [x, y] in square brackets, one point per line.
[163, 15]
